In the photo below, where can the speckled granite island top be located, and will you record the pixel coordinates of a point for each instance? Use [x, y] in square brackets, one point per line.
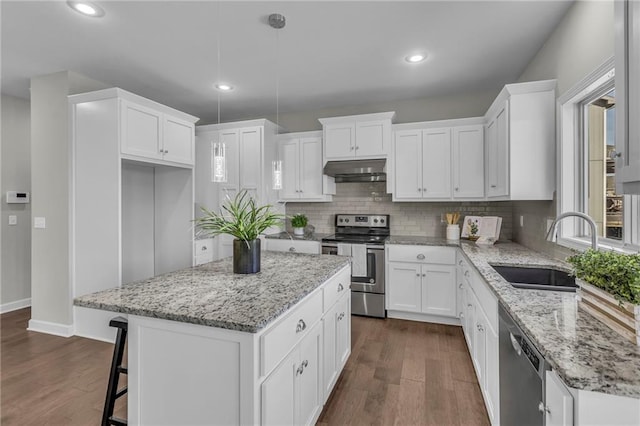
[584, 352]
[212, 295]
[314, 236]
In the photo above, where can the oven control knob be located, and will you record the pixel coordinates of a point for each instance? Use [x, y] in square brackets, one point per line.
[375, 220]
[346, 220]
[341, 220]
[381, 220]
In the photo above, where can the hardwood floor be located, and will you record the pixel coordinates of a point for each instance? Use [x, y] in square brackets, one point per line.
[399, 373]
[406, 373]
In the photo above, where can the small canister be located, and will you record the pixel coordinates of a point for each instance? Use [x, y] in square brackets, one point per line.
[453, 232]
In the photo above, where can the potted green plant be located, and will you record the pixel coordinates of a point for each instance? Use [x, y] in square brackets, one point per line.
[610, 289]
[244, 220]
[298, 222]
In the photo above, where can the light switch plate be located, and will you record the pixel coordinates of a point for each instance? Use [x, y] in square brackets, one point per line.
[13, 219]
[39, 222]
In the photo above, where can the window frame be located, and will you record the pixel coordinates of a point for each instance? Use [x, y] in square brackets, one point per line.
[572, 170]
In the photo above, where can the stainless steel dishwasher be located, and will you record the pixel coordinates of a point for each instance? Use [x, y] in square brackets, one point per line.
[522, 372]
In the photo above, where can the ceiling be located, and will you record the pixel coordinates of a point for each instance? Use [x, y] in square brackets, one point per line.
[330, 53]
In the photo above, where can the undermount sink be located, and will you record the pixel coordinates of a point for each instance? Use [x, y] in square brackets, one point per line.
[537, 278]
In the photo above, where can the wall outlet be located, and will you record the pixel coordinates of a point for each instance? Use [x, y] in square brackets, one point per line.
[39, 222]
[13, 219]
[521, 221]
[443, 218]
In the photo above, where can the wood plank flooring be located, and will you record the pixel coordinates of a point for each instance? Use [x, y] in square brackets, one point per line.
[406, 373]
[399, 373]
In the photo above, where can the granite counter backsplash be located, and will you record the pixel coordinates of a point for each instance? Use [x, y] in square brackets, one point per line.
[212, 295]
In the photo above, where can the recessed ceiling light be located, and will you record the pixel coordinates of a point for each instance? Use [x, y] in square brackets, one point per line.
[86, 8]
[415, 58]
[224, 87]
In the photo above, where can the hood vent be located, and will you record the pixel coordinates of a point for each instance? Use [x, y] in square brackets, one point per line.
[357, 170]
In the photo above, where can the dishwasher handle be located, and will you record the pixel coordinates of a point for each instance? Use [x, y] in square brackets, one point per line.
[515, 344]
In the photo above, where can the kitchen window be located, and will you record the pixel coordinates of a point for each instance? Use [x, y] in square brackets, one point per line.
[586, 168]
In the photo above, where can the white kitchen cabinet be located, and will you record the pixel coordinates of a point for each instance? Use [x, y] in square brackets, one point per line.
[468, 162]
[627, 57]
[421, 280]
[302, 175]
[357, 137]
[337, 341]
[149, 134]
[558, 401]
[293, 246]
[422, 164]
[143, 207]
[520, 133]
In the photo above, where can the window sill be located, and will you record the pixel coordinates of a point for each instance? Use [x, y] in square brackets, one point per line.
[582, 244]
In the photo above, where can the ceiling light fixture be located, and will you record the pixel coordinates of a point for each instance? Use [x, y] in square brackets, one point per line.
[86, 8]
[224, 87]
[277, 22]
[415, 58]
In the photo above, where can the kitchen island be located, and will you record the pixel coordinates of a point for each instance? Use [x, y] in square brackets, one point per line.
[207, 346]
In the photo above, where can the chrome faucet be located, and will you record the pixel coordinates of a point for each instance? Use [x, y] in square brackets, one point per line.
[551, 235]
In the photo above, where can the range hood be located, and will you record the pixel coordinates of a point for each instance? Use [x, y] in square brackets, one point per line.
[357, 170]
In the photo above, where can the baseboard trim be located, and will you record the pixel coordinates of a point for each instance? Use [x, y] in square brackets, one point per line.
[51, 328]
[414, 316]
[14, 306]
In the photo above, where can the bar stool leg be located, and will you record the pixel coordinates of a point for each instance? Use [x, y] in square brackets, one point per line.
[114, 375]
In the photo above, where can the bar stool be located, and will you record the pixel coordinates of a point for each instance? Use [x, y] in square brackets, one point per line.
[113, 392]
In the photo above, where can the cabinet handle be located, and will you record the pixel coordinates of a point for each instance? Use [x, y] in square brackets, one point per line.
[341, 316]
[357, 148]
[301, 326]
[466, 273]
[417, 275]
[292, 249]
[469, 305]
[457, 189]
[204, 248]
[424, 189]
[460, 262]
[493, 186]
[460, 285]
[543, 408]
[480, 327]
[300, 370]
[424, 275]
[420, 256]
[419, 189]
[352, 148]
[461, 315]
[166, 151]
[340, 287]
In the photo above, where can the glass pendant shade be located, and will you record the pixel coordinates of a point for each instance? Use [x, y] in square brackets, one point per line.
[276, 174]
[218, 162]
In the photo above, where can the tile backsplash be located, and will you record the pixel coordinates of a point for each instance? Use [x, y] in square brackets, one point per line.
[414, 218]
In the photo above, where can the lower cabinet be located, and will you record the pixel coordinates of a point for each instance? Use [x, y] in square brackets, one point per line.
[292, 394]
[559, 401]
[337, 341]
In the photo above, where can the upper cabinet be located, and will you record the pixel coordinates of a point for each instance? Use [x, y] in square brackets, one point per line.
[151, 133]
[520, 142]
[627, 57]
[357, 137]
[438, 161]
[302, 177]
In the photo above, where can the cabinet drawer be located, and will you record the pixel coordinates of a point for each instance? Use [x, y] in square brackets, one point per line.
[302, 246]
[284, 335]
[336, 287]
[486, 299]
[422, 254]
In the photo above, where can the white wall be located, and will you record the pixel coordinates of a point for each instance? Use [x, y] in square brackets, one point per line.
[582, 41]
[50, 183]
[15, 287]
[407, 111]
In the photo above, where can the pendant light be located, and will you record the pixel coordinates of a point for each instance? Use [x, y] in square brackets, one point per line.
[218, 149]
[277, 22]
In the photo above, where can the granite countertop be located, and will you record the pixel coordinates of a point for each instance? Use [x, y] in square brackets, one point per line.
[212, 295]
[308, 236]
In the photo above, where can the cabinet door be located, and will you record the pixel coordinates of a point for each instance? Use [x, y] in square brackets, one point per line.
[141, 131]
[497, 155]
[330, 361]
[288, 154]
[558, 400]
[408, 165]
[439, 290]
[343, 330]
[371, 139]
[310, 168]
[468, 162]
[404, 287]
[178, 141]
[436, 163]
[469, 317]
[309, 377]
[278, 393]
[250, 159]
[479, 356]
[339, 141]
[492, 376]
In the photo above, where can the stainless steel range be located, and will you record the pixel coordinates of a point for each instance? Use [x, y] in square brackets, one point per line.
[362, 237]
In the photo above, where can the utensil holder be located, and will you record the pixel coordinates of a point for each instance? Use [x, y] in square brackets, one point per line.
[453, 232]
